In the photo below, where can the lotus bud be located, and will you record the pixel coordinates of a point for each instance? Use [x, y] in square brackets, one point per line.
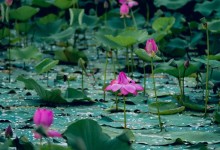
[8, 132]
[186, 64]
[8, 2]
[105, 5]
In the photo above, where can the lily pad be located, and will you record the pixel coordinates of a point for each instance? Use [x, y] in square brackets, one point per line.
[166, 108]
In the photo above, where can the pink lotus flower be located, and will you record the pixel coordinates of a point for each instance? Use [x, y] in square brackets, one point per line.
[124, 10]
[151, 47]
[125, 84]
[8, 2]
[130, 3]
[44, 118]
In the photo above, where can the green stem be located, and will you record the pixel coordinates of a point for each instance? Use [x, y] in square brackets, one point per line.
[113, 61]
[106, 64]
[207, 72]
[125, 26]
[180, 86]
[47, 78]
[82, 81]
[116, 101]
[155, 93]
[133, 18]
[132, 61]
[125, 121]
[127, 59]
[144, 79]
[2, 12]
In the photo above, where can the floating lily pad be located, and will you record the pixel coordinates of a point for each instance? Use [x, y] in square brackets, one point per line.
[166, 108]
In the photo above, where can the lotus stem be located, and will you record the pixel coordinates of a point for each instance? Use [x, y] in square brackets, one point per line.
[125, 121]
[144, 79]
[207, 71]
[155, 93]
[106, 64]
[82, 82]
[116, 101]
[132, 61]
[134, 20]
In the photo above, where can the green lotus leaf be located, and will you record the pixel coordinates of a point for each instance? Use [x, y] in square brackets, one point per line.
[166, 108]
[70, 55]
[64, 4]
[124, 41]
[54, 95]
[30, 52]
[142, 54]
[171, 4]
[50, 18]
[23, 13]
[214, 26]
[62, 35]
[179, 70]
[45, 65]
[163, 23]
[41, 3]
[207, 7]
[87, 134]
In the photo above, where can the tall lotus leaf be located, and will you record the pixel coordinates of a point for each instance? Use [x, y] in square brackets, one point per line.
[163, 23]
[215, 57]
[45, 30]
[45, 65]
[102, 39]
[70, 55]
[41, 3]
[54, 147]
[212, 63]
[207, 7]
[64, 4]
[63, 35]
[171, 4]
[4, 32]
[77, 16]
[50, 18]
[179, 70]
[30, 52]
[23, 27]
[23, 13]
[86, 134]
[139, 35]
[54, 95]
[176, 47]
[214, 26]
[142, 54]
[124, 41]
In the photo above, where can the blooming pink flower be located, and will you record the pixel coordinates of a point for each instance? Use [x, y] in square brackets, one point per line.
[8, 2]
[124, 10]
[125, 84]
[131, 3]
[151, 47]
[44, 118]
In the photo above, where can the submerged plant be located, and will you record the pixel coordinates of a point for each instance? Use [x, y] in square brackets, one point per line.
[126, 86]
[151, 49]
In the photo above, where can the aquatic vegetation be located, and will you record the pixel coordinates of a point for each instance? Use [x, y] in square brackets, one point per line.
[71, 71]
